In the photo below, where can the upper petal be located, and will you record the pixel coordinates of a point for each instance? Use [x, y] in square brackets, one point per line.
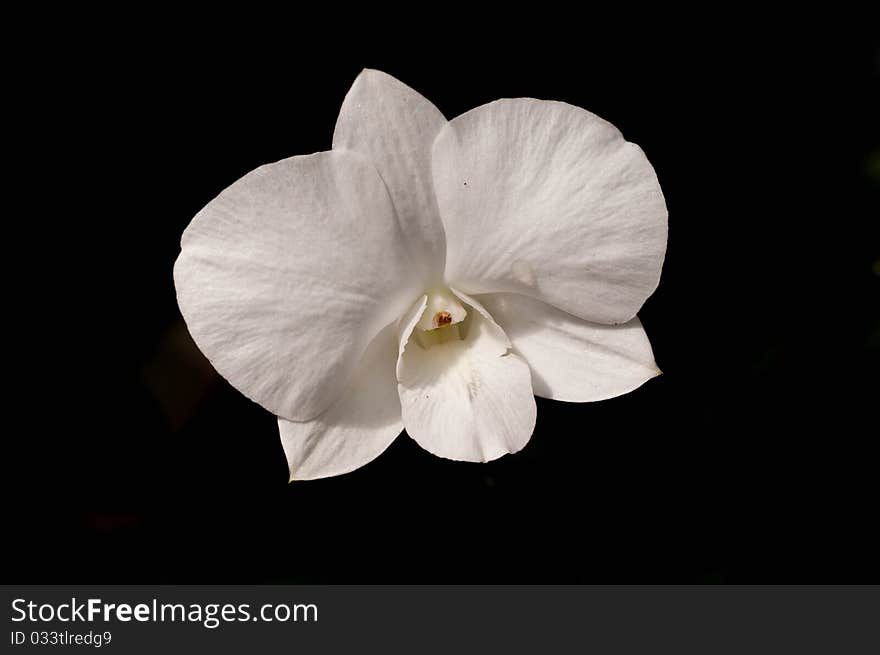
[395, 126]
[288, 274]
[358, 427]
[467, 400]
[572, 359]
[548, 200]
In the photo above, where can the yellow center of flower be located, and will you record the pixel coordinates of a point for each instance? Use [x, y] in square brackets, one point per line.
[441, 320]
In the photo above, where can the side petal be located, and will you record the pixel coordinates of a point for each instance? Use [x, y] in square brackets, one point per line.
[358, 427]
[395, 126]
[469, 400]
[548, 200]
[572, 359]
[286, 277]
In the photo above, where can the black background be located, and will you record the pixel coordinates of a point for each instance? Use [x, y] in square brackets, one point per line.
[752, 459]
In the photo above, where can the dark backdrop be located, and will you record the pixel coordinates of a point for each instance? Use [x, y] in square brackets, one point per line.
[752, 459]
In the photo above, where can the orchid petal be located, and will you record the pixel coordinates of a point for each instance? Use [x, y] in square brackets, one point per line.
[468, 400]
[405, 326]
[358, 427]
[572, 359]
[548, 200]
[288, 275]
[394, 126]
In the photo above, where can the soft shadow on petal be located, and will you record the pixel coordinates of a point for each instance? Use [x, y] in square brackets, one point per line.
[468, 400]
[572, 359]
[405, 326]
[358, 427]
[286, 277]
[395, 126]
[548, 200]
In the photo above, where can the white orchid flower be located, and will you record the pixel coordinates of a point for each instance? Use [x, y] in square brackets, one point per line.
[430, 275]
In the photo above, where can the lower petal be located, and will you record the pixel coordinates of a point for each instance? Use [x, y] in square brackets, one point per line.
[572, 359]
[469, 399]
[357, 428]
